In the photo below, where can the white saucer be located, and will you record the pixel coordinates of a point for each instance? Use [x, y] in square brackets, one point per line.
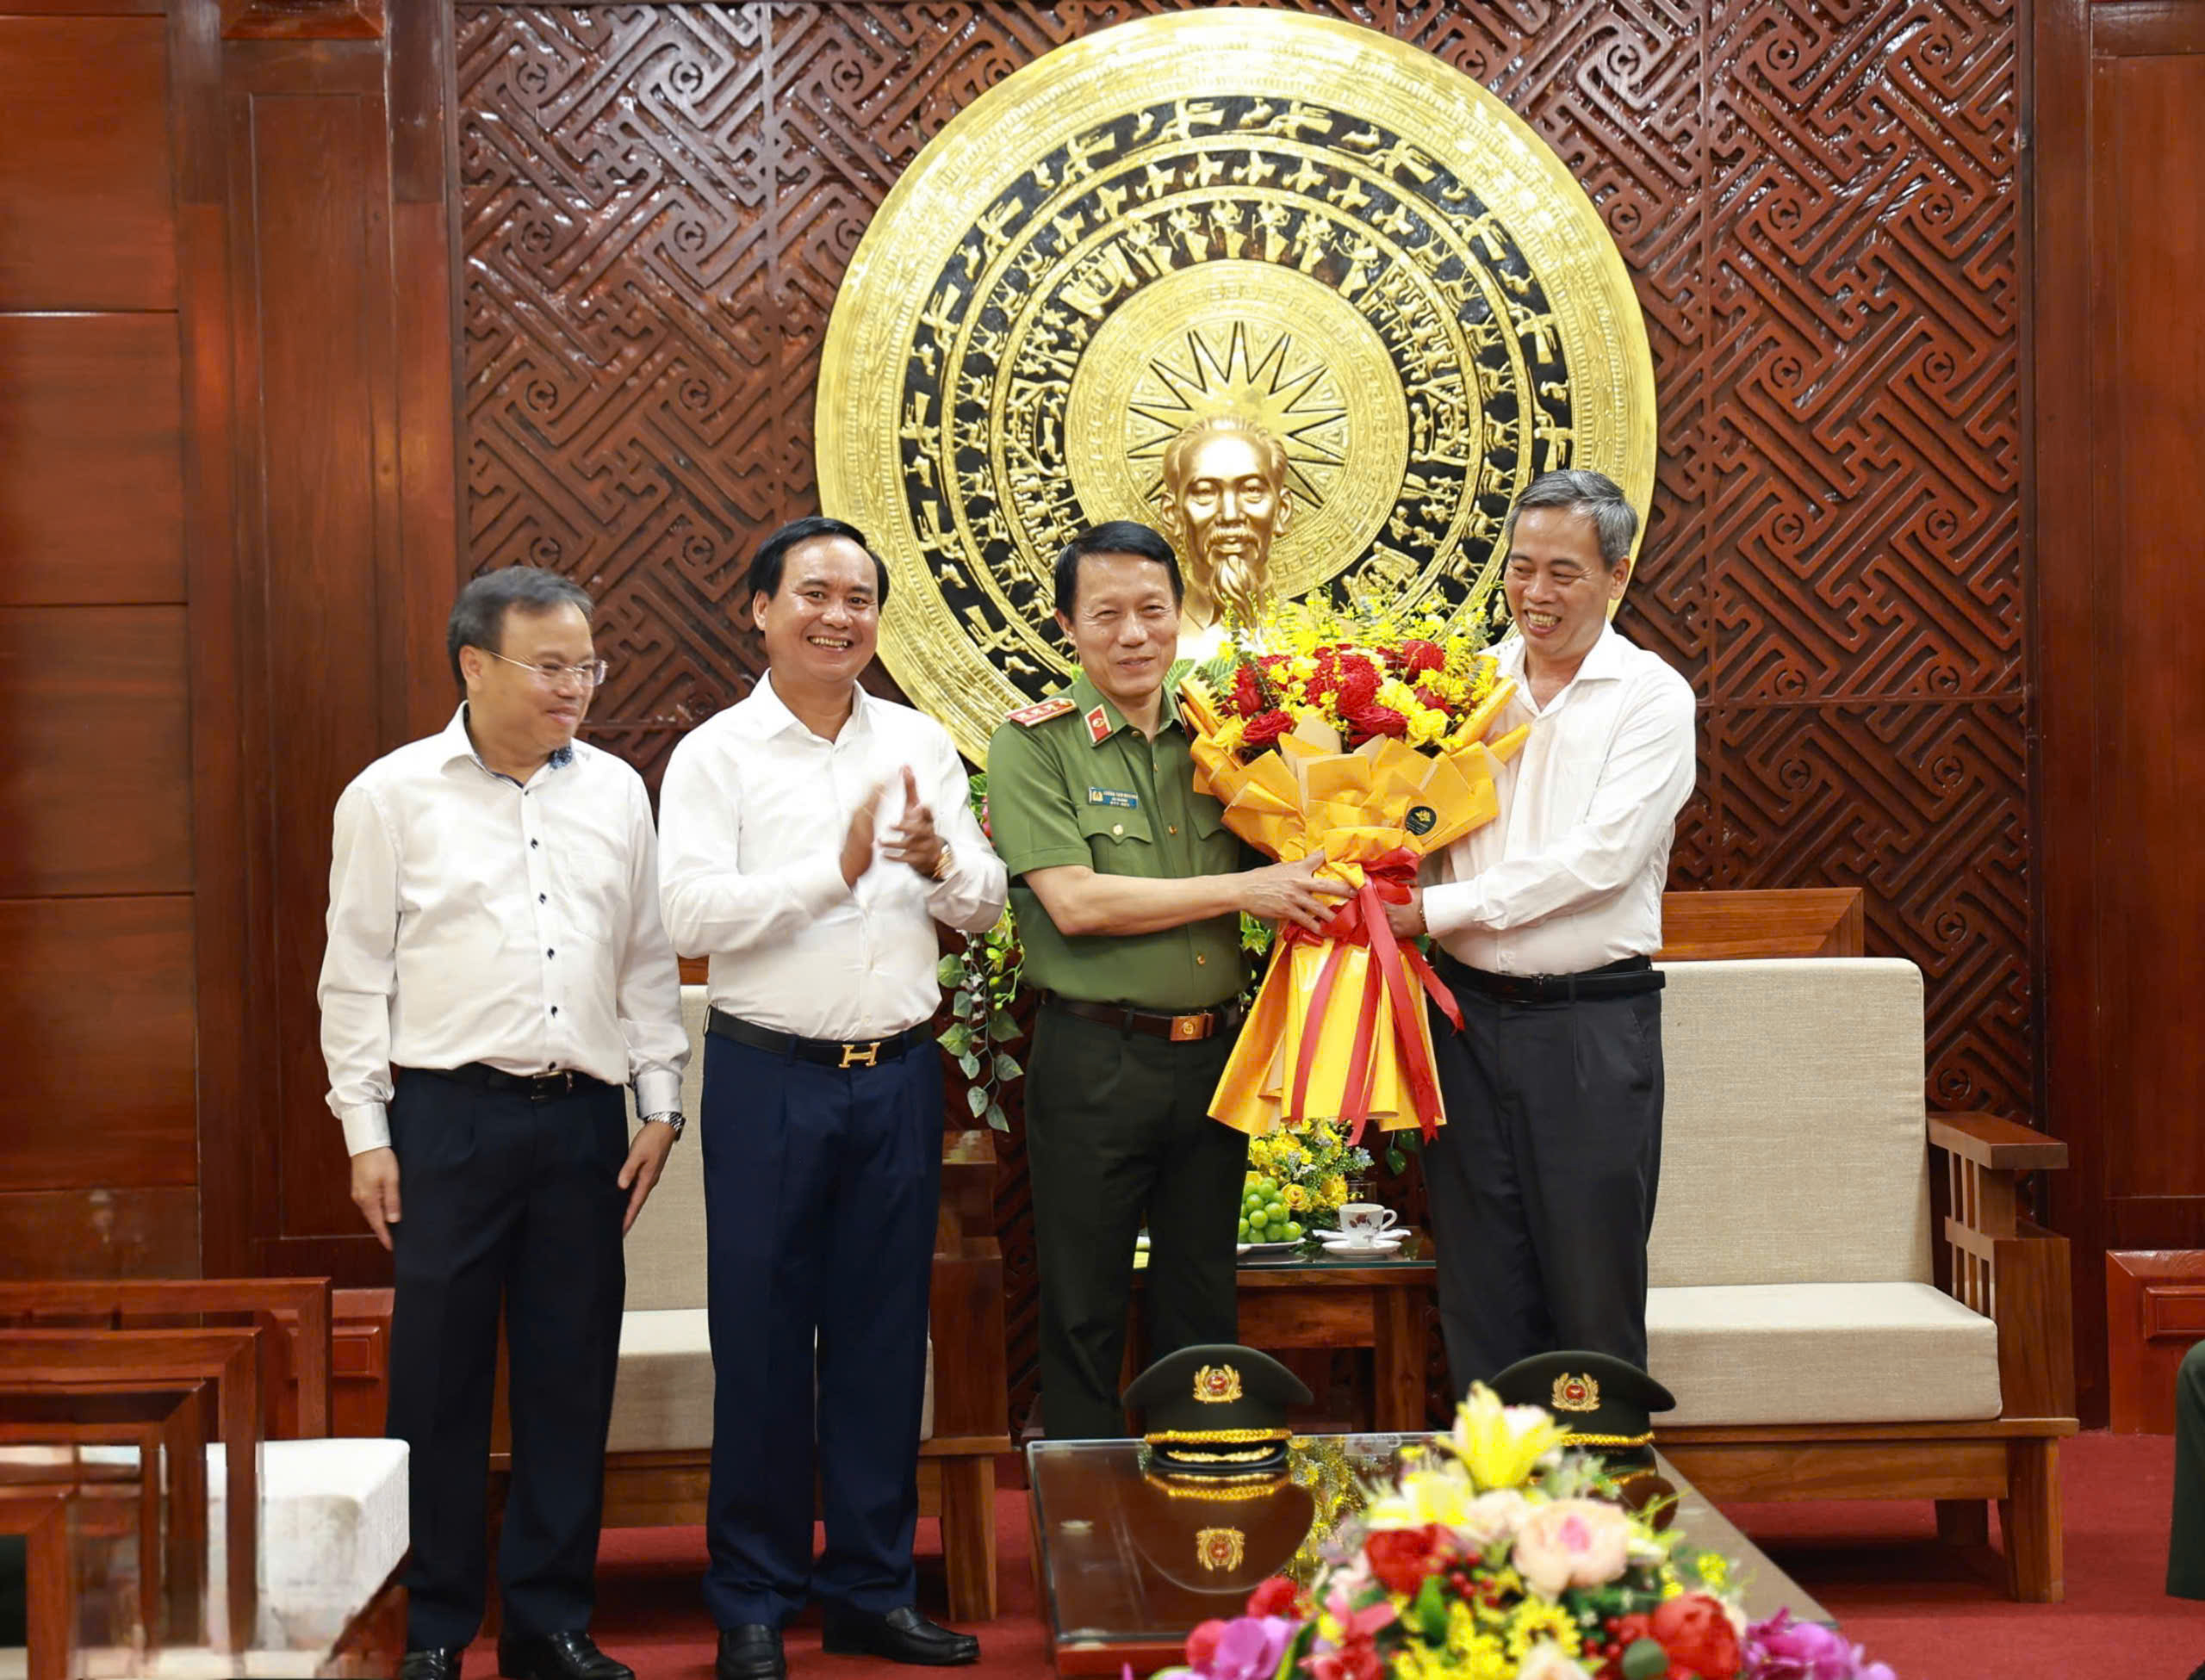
[1384, 1243]
[1271, 1248]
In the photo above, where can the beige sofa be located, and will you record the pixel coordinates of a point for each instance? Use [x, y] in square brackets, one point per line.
[659, 1452]
[1843, 1297]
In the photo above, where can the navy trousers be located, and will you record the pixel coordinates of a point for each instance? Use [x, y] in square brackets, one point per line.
[1541, 1185]
[821, 1188]
[515, 1204]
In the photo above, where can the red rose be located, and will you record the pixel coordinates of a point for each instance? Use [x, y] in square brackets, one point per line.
[1430, 697]
[1265, 727]
[1401, 1557]
[1276, 1596]
[1202, 1644]
[1247, 696]
[1419, 657]
[1358, 684]
[1377, 720]
[1630, 1628]
[1698, 1635]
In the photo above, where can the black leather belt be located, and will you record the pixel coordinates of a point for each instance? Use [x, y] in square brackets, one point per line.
[1629, 977]
[1192, 1027]
[828, 1052]
[535, 1086]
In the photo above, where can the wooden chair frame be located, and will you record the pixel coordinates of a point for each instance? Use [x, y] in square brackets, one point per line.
[2014, 1272]
[42, 1516]
[78, 1361]
[297, 1374]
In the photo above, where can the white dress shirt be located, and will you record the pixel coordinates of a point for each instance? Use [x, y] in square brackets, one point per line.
[752, 812]
[1570, 876]
[472, 918]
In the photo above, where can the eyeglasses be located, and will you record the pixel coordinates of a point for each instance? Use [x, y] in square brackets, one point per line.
[590, 673]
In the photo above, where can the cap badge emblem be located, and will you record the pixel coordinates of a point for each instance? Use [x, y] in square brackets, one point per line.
[1215, 1384]
[1576, 1393]
[1218, 1549]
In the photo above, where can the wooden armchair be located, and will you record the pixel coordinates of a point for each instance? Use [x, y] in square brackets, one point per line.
[2014, 1272]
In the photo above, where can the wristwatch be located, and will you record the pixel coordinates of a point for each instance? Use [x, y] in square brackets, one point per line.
[941, 863]
[672, 1117]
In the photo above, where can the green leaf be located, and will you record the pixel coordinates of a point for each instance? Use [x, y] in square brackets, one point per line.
[1002, 1027]
[996, 1117]
[976, 1099]
[1430, 1610]
[1644, 1660]
[957, 1037]
[949, 971]
[1006, 1068]
[1396, 1162]
[969, 1065]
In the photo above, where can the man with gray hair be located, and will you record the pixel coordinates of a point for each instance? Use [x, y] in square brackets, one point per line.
[496, 971]
[1542, 1181]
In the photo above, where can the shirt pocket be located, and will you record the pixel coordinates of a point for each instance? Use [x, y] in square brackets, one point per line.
[1119, 839]
[592, 886]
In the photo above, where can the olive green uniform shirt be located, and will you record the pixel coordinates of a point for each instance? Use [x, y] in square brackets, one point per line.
[1088, 788]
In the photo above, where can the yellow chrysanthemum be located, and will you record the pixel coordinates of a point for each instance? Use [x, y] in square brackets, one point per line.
[1332, 1192]
[1536, 1619]
[1714, 1570]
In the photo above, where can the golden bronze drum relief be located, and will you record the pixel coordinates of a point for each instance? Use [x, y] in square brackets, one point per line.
[1303, 297]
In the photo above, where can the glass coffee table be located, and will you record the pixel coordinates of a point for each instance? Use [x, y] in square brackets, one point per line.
[1127, 1563]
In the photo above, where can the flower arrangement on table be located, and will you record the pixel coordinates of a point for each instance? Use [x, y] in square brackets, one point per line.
[1362, 737]
[1502, 1554]
[1297, 1181]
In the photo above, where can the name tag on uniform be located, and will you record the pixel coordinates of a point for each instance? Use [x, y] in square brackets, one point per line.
[1125, 801]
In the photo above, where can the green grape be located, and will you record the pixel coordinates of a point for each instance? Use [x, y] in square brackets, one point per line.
[1292, 1233]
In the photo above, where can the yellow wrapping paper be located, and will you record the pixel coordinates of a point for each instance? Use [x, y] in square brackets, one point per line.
[1385, 805]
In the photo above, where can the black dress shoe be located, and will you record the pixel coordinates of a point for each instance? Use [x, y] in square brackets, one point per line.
[431, 1662]
[902, 1635]
[752, 1651]
[556, 1656]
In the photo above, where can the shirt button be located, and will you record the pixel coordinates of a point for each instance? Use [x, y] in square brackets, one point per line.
[1117, 828]
[1200, 959]
[531, 845]
[540, 899]
[551, 954]
[554, 1008]
[1173, 828]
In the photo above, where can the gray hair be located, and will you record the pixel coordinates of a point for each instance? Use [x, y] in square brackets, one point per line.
[1596, 495]
[478, 617]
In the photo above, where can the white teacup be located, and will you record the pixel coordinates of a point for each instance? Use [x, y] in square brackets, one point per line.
[1364, 1222]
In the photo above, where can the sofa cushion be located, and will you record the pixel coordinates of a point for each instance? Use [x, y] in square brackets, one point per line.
[662, 1397]
[1821, 1353]
[1793, 1147]
[332, 1526]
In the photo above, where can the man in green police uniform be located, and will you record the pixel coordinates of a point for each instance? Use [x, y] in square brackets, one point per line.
[1127, 888]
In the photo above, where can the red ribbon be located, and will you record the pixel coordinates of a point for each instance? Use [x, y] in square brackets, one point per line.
[1361, 921]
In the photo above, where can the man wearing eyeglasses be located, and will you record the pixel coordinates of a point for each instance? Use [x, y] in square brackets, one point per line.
[496, 971]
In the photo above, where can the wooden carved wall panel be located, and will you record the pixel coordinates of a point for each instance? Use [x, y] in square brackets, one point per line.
[1817, 206]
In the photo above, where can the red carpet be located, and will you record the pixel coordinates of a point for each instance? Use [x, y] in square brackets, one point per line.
[1877, 1567]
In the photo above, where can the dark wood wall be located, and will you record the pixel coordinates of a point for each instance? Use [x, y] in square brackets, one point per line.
[97, 908]
[372, 298]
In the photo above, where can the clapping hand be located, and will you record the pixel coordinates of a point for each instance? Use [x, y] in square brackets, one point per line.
[915, 840]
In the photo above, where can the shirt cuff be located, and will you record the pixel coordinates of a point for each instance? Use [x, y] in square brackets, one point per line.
[819, 884]
[367, 1126]
[657, 1092]
[1452, 906]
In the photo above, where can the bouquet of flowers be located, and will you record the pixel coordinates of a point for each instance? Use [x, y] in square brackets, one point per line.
[1501, 1554]
[1303, 1176]
[1363, 738]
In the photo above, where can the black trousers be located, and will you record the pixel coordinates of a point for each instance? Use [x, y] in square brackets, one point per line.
[1117, 1129]
[514, 1204]
[821, 1188]
[2186, 1539]
[1541, 1185]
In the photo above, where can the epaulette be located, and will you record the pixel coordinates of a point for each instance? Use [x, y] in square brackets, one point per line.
[1040, 711]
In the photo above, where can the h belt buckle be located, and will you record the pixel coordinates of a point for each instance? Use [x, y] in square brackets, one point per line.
[1188, 1027]
[861, 1055]
[544, 1086]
